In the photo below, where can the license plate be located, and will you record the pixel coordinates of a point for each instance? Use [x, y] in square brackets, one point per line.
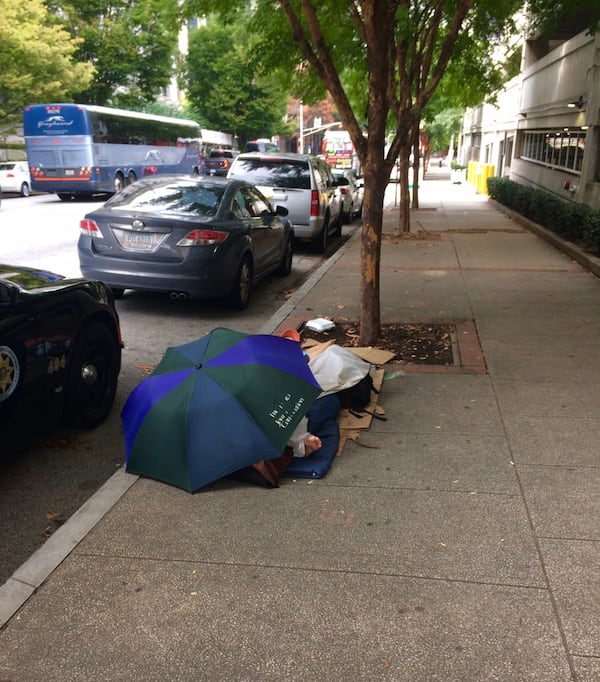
[69, 172]
[139, 241]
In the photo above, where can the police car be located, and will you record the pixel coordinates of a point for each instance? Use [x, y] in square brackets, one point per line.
[60, 349]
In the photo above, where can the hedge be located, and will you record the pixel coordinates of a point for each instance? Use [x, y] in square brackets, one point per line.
[578, 223]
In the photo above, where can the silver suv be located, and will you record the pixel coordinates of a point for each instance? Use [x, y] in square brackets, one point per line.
[303, 184]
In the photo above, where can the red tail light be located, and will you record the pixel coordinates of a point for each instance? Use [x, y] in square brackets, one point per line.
[90, 229]
[314, 203]
[202, 238]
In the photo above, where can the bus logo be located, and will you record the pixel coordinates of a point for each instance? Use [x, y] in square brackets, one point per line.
[54, 121]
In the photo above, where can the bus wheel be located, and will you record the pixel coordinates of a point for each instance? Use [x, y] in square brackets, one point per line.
[131, 178]
[119, 182]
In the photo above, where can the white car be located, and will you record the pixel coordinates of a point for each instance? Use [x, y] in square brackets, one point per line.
[303, 184]
[14, 177]
[351, 193]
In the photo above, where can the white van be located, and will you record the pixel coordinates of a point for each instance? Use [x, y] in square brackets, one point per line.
[303, 184]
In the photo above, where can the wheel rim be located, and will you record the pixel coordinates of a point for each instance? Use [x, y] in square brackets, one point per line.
[9, 372]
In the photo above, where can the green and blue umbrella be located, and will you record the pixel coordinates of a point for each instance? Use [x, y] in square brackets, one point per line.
[216, 405]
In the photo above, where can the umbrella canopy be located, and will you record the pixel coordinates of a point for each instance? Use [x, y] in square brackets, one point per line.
[216, 405]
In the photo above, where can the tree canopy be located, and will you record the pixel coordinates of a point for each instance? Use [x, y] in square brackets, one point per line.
[132, 45]
[39, 60]
[227, 85]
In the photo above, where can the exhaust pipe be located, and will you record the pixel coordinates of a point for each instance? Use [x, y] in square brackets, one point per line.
[177, 295]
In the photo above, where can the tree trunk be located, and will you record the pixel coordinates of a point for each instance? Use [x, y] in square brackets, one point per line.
[404, 215]
[416, 145]
[370, 257]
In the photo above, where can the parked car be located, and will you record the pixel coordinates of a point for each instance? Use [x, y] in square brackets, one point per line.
[351, 193]
[261, 144]
[219, 161]
[60, 349]
[14, 177]
[190, 236]
[303, 184]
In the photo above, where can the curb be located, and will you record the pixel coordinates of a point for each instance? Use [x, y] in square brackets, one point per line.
[36, 570]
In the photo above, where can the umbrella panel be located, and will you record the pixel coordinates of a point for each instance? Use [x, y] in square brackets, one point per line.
[216, 405]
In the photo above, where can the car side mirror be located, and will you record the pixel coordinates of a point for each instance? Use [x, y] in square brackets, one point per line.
[267, 218]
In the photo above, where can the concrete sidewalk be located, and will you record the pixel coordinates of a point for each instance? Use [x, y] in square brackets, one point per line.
[457, 541]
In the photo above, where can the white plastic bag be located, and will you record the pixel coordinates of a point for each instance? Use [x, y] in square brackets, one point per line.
[320, 324]
[337, 368]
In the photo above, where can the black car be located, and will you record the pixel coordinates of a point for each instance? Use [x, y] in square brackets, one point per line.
[60, 349]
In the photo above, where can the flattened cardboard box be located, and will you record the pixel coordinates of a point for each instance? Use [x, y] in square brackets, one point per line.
[351, 424]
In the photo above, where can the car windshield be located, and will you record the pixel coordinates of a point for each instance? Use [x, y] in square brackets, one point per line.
[273, 172]
[175, 198]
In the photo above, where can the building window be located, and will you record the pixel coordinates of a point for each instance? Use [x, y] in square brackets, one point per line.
[555, 148]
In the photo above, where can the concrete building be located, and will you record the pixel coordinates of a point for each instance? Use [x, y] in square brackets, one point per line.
[545, 129]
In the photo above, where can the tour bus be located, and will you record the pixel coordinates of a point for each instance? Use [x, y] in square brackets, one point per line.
[83, 149]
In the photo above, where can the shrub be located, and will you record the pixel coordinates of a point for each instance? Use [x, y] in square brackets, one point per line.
[577, 222]
[591, 230]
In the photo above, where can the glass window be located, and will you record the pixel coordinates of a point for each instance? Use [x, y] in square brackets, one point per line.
[180, 198]
[273, 172]
[559, 148]
[239, 208]
[255, 203]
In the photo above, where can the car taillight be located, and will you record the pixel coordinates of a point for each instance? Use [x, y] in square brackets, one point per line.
[202, 238]
[226, 163]
[343, 190]
[90, 229]
[314, 203]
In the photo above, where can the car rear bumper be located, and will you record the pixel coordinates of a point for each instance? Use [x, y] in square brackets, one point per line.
[192, 277]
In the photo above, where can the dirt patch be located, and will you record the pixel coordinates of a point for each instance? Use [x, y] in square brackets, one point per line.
[420, 236]
[424, 344]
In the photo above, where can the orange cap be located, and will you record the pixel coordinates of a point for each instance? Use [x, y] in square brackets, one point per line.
[291, 334]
